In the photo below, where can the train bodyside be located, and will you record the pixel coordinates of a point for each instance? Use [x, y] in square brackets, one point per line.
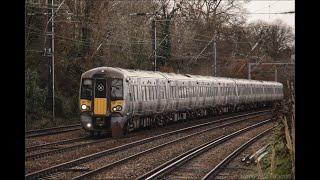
[153, 97]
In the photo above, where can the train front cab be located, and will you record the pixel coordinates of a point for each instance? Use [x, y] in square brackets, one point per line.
[100, 97]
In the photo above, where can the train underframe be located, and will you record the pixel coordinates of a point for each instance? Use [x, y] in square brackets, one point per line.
[120, 126]
[163, 119]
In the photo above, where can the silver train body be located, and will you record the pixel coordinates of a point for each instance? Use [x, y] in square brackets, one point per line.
[132, 99]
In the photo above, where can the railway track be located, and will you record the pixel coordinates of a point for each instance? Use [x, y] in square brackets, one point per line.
[54, 148]
[45, 145]
[212, 173]
[67, 166]
[57, 155]
[54, 130]
[161, 171]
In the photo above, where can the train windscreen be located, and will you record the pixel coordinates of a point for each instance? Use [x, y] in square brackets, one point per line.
[116, 89]
[86, 89]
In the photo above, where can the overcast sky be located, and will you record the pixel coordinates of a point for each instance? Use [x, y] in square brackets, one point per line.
[276, 6]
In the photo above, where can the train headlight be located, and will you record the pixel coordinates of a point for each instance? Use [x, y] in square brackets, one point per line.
[83, 107]
[117, 108]
[88, 125]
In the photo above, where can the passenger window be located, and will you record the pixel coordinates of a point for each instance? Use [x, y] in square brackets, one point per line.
[172, 92]
[136, 92]
[166, 92]
[188, 92]
[132, 94]
[163, 92]
[150, 93]
[207, 92]
[182, 93]
[192, 91]
[185, 92]
[206, 88]
[147, 93]
[142, 93]
[202, 91]
[135, 95]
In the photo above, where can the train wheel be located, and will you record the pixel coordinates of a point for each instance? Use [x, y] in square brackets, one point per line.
[128, 127]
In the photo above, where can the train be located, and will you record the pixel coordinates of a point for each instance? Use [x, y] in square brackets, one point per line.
[119, 101]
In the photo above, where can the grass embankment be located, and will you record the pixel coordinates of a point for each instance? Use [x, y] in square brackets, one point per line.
[279, 163]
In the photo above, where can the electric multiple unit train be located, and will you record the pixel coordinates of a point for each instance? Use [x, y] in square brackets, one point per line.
[121, 100]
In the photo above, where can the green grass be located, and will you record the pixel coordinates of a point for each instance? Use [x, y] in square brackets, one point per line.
[281, 158]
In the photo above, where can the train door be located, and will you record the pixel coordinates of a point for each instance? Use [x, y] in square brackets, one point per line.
[100, 97]
[158, 93]
[189, 91]
[140, 97]
[236, 93]
[131, 89]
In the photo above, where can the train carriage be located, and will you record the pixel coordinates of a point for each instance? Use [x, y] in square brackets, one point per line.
[121, 100]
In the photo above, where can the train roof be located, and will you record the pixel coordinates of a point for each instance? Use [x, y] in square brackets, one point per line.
[123, 73]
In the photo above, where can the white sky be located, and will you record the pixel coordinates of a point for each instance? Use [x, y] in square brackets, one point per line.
[276, 6]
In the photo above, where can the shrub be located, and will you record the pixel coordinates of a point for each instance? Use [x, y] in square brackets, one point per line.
[35, 97]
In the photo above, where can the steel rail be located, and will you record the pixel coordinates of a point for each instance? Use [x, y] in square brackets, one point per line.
[177, 162]
[95, 171]
[63, 149]
[49, 131]
[53, 128]
[97, 155]
[40, 146]
[211, 174]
